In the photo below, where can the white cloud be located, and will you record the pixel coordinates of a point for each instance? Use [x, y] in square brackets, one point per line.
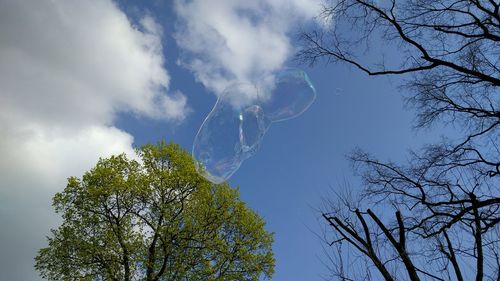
[83, 60]
[228, 40]
[67, 68]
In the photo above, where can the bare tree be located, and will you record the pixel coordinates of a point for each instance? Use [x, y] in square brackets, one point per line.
[436, 217]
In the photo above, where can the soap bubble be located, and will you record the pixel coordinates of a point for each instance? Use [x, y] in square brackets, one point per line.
[252, 128]
[234, 129]
[229, 134]
[289, 95]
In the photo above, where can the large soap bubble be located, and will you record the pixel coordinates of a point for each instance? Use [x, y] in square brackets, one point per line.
[234, 129]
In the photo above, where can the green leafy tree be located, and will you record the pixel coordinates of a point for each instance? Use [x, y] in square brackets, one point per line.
[154, 219]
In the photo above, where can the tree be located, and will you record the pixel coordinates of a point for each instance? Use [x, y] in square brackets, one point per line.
[436, 217]
[154, 218]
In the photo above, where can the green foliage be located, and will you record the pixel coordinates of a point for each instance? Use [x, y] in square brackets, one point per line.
[154, 219]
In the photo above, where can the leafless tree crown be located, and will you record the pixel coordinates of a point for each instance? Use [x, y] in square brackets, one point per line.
[444, 218]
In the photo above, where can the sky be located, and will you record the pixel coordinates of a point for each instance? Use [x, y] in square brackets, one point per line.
[81, 80]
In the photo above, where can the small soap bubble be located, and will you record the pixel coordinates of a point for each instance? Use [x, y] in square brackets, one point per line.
[252, 128]
[289, 96]
[234, 129]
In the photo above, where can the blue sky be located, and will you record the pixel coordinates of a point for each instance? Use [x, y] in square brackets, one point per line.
[80, 80]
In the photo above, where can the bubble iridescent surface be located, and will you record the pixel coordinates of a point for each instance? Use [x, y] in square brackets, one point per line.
[234, 129]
